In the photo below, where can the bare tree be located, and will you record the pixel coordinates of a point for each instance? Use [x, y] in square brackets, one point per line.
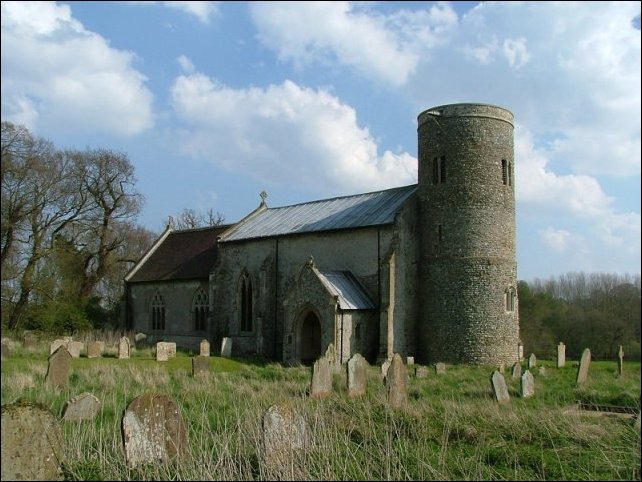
[190, 219]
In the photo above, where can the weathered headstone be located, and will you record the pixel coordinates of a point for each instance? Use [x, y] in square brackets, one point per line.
[532, 361]
[74, 348]
[410, 360]
[32, 443]
[30, 340]
[440, 368]
[321, 385]
[58, 368]
[333, 359]
[57, 344]
[226, 347]
[561, 355]
[6, 349]
[500, 390]
[83, 407]
[200, 365]
[153, 430]
[165, 350]
[204, 348]
[517, 370]
[421, 371]
[284, 433]
[620, 361]
[520, 351]
[95, 349]
[527, 384]
[585, 362]
[123, 348]
[140, 338]
[357, 375]
[397, 382]
[384, 368]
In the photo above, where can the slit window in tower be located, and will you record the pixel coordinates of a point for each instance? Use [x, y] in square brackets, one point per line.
[504, 172]
[435, 171]
[442, 169]
[510, 173]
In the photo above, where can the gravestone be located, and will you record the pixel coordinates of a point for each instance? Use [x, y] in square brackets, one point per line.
[123, 348]
[501, 368]
[95, 349]
[333, 359]
[284, 433]
[561, 355]
[32, 443]
[204, 348]
[57, 344]
[58, 368]
[585, 362]
[517, 370]
[357, 375]
[620, 361]
[440, 368]
[500, 390]
[83, 407]
[410, 360]
[30, 340]
[520, 351]
[532, 361]
[200, 365]
[153, 430]
[74, 348]
[165, 350]
[140, 338]
[321, 385]
[421, 371]
[6, 350]
[542, 370]
[384, 368]
[638, 423]
[397, 382]
[226, 347]
[527, 384]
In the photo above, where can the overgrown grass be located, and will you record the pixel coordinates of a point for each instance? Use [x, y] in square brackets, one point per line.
[451, 427]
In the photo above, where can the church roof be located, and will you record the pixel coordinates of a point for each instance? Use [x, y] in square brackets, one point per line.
[360, 210]
[352, 296]
[179, 255]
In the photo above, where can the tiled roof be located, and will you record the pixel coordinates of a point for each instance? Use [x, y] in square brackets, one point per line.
[352, 296]
[185, 254]
[361, 210]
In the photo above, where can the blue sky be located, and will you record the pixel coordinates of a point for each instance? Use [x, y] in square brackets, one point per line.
[216, 101]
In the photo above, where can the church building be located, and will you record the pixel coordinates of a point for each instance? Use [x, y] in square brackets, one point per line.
[426, 270]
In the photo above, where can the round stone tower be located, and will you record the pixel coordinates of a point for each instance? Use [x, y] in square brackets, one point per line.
[468, 270]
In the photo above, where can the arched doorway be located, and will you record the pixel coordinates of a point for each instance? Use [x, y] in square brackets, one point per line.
[309, 339]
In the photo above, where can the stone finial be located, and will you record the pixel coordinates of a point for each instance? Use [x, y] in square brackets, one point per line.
[170, 222]
[263, 195]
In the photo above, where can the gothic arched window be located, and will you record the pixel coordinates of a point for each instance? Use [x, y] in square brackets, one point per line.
[157, 312]
[200, 309]
[245, 297]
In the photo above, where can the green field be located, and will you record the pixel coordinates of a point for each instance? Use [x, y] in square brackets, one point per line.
[450, 429]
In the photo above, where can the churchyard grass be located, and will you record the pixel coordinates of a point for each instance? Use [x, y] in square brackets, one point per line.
[450, 428]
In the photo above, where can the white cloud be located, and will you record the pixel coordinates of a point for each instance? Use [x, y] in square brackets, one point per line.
[284, 134]
[385, 47]
[186, 64]
[57, 73]
[555, 238]
[204, 11]
[516, 52]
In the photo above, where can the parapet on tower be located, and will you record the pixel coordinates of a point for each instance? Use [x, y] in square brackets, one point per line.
[468, 270]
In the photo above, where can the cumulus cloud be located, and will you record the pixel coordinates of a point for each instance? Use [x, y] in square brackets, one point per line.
[555, 238]
[57, 73]
[386, 47]
[203, 11]
[284, 134]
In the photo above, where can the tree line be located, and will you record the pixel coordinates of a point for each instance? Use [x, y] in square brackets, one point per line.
[596, 310]
[69, 233]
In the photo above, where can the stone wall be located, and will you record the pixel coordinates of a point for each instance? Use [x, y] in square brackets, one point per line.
[468, 235]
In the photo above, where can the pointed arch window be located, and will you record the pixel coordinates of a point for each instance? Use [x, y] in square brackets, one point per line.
[246, 303]
[507, 172]
[439, 170]
[157, 312]
[509, 299]
[200, 310]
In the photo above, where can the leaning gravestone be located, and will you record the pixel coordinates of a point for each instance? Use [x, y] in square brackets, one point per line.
[397, 382]
[321, 378]
[585, 362]
[95, 349]
[83, 407]
[226, 347]
[527, 384]
[517, 370]
[284, 433]
[200, 365]
[532, 361]
[153, 430]
[58, 369]
[500, 389]
[123, 348]
[32, 443]
[57, 344]
[440, 368]
[204, 348]
[561, 355]
[357, 371]
[384, 368]
[620, 361]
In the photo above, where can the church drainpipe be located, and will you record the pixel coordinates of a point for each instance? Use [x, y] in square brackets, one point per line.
[341, 344]
[276, 295]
